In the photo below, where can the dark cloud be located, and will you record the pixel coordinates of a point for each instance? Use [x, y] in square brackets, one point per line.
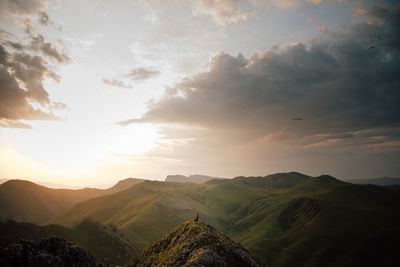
[21, 81]
[24, 66]
[44, 18]
[15, 45]
[116, 83]
[15, 101]
[336, 83]
[21, 7]
[38, 43]
[141, 74]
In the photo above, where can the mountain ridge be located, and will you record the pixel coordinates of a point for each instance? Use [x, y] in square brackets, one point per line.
[23, 200]
[382, 181]
[194, 178]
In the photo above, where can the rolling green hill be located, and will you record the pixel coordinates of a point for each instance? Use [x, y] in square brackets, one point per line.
[287, 219]
[104, 242]
[25, 201]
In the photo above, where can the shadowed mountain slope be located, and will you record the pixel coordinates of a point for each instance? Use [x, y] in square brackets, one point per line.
[104, 242]
[25, 201]
[195, 244]
[47, 253]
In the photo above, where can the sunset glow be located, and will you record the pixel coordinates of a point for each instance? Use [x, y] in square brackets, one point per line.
[95, 91]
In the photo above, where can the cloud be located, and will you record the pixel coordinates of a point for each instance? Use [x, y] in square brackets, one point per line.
[225, 12]
[21, 7]
[222, 11]
[15, 99]
[44, 18]
[116, 83]
[336, 83]
[14, 124]
[23, 69]
[321, 27]
[141, 74]
[39, 44]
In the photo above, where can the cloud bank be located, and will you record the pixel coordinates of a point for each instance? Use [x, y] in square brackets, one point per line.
[225, 12]
[24, 65]
[346, 92]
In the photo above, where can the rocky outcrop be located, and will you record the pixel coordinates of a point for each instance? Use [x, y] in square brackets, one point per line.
[195, 244]
[102, 241]
[47, 252]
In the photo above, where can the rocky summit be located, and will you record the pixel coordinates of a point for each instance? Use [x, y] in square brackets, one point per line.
[47, 252]
[195, 244]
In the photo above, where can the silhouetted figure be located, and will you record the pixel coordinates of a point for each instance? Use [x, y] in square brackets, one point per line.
[197, 217]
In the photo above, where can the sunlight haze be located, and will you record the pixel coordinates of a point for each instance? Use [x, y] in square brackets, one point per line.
[96, 91]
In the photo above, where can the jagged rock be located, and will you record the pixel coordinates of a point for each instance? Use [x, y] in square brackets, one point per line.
[47, 252]
[195, 244]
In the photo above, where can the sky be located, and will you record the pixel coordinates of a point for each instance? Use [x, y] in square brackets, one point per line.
[96, 91]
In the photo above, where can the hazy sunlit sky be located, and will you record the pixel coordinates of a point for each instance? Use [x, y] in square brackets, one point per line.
[96, 91]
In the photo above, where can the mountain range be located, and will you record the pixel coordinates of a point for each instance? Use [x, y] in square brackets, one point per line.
[285, 219]
[26, 201]
[196, 178]
[384, 181]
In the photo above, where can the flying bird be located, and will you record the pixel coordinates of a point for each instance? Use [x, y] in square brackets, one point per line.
[298, 119]
[372, 46]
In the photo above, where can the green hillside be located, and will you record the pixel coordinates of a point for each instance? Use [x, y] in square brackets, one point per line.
[195, 244]
[287, 219]
[25, 201]
[104, 242]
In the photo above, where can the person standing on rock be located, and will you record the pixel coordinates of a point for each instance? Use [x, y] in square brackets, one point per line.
[197, 217]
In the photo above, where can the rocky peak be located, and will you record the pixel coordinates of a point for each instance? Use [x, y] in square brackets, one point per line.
[195, 244]
[47, 252]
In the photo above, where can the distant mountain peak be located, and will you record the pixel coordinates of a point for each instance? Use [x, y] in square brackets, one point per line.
[124, 184]
[194, 178]
[382, 181]
[195, 244]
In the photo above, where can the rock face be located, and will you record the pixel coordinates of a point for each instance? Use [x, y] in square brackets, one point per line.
[47, 252]
[195, 244]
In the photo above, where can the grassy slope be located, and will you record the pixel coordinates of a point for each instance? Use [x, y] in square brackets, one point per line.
[102, 241]
[287, 219]
[26, 201]
[195, 244]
